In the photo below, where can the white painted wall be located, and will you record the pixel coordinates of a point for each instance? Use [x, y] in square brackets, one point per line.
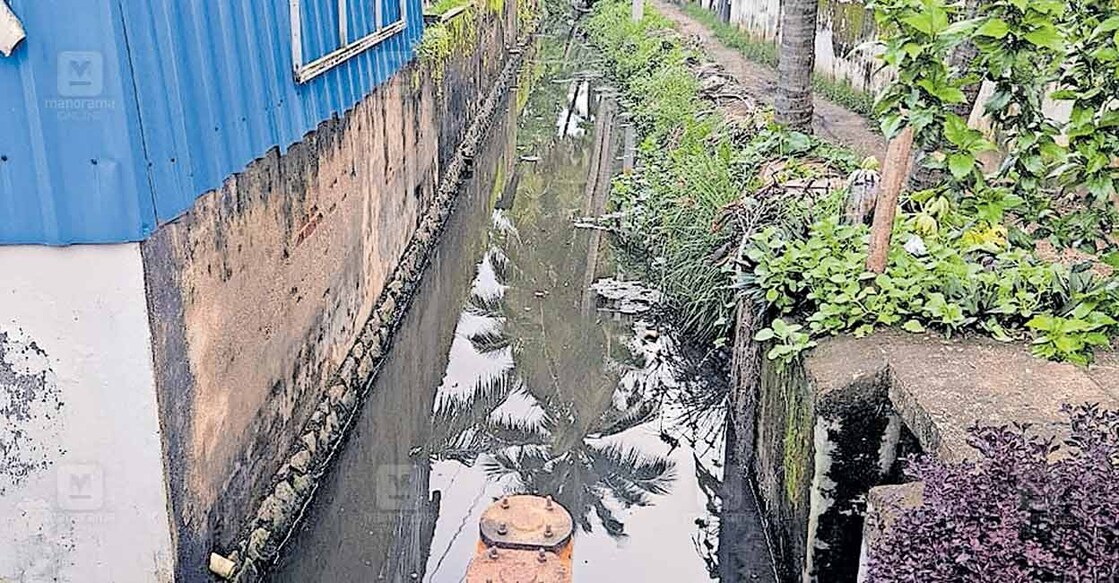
[762, 20]
[77, 367]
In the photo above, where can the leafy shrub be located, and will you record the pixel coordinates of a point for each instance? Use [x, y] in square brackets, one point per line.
[971, 280]
[1014, 515]
[972, 263]
[1025, 49]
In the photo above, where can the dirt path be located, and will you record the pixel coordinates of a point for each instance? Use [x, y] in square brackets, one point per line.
[832, 122]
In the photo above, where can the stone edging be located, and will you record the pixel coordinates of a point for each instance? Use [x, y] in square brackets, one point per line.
[296, 482]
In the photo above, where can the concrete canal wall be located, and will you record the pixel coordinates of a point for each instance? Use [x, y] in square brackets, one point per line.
[832, 428]
[260, 292]
[153, 391]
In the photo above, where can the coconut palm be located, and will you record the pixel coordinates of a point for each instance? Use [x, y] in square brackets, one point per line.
[796, 61]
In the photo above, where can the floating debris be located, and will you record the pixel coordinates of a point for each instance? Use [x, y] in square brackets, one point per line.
[627, 297]
[599, 223]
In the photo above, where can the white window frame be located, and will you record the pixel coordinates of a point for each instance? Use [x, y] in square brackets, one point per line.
[304, 72]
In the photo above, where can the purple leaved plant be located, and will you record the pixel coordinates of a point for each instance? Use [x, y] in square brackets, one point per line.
[1027, 509]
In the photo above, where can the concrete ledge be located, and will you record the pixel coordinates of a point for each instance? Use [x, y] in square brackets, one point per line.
[884, 504]
[940, 387]
[830, 429]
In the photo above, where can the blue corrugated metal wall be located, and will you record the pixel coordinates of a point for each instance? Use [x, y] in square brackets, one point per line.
[71, 162]
[192, 92]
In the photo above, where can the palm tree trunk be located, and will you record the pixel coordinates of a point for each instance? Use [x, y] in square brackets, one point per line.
[795, 63]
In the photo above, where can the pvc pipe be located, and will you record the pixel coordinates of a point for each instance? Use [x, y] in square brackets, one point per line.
[221, 566]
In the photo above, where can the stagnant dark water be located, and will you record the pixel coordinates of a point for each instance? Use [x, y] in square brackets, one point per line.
[512, 374]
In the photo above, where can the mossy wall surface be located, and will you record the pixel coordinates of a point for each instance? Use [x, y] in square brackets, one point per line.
[783, 462]
[830, 421]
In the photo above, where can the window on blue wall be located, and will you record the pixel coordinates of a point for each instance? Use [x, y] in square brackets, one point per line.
[326, 33]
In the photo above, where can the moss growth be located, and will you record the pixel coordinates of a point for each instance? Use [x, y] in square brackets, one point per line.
[528, 13]
[445, 6]
[443, 39]
[852, 24]
[495, 6]
[527, 80]
[797, 442]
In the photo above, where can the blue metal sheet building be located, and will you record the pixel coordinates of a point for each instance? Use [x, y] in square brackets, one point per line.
[115, 115]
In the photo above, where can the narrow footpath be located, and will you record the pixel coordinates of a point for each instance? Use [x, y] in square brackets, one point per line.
[833, 122]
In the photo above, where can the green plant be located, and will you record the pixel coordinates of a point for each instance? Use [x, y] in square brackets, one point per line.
[685, 209]
[959, 281]
[443, 39]
[788, 341]
[1088, 81]
[960, 262]
[1023, 49]
[687, 168]
[918, 37]
[962, 259]
[1070, 338]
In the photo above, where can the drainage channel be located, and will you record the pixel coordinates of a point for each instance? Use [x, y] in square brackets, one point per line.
[531, 363]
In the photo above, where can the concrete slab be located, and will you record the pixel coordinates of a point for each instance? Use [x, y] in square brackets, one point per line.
[942, 387]
[884, 505]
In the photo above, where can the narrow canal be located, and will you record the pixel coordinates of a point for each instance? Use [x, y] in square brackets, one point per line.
[531, 362]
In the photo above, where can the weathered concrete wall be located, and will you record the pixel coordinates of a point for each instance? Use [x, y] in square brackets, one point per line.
[821, 430]
[832, 427]
[82, 496]
[258, 293]
[395, 496]
[783, 463]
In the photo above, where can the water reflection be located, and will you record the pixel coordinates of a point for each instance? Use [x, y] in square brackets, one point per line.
[546, 392]
[512, 375]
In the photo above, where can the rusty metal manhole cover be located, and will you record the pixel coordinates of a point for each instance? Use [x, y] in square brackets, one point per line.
[526, 522]
[519, 566]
